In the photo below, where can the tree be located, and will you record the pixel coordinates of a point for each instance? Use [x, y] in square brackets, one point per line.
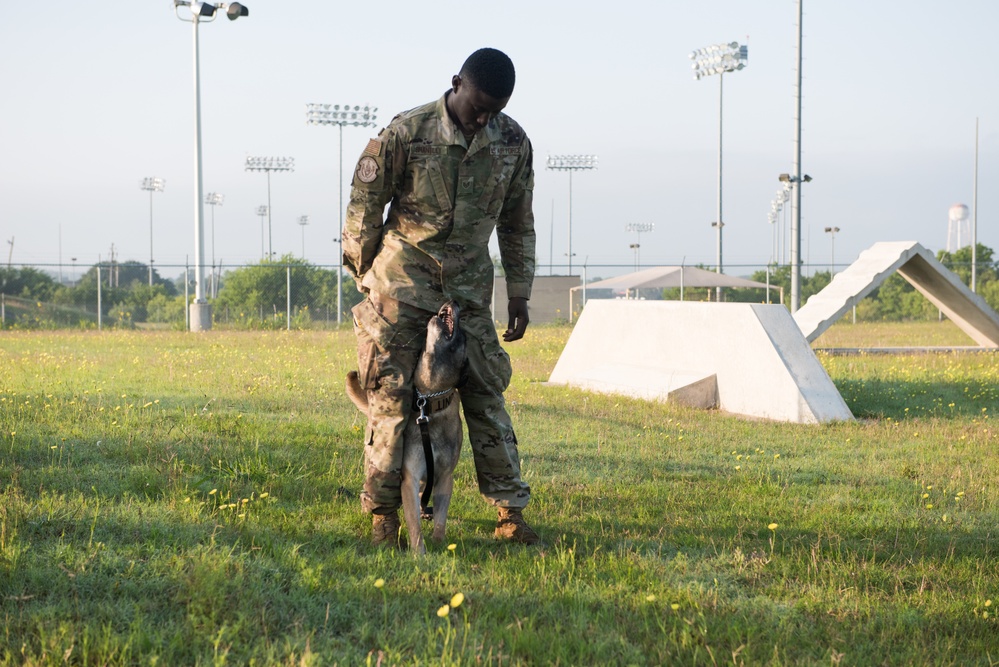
[262, 289]
[27, 283]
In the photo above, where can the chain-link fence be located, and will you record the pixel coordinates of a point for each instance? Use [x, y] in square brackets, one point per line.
[290, 293]
[282, 294]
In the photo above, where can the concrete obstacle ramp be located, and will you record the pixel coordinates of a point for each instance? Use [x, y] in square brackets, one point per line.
[922, 270]
[747, 359]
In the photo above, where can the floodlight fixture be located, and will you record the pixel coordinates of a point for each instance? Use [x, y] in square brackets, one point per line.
[639, 227]
[201, 12]
[151, 184]
[571, 163]
[340, 115]
[205, 12]
[267, 165]
[254, 163]
[336, 114]
[719, 59]
[235, 10]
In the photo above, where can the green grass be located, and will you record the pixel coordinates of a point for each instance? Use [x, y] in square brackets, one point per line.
[179, 499]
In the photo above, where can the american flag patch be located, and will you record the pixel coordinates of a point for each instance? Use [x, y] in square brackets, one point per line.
[373, 148]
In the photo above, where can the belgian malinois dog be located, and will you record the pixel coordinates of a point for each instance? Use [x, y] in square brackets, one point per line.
[435, 419]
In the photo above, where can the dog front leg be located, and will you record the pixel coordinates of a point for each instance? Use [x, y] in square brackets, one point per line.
[411, 511]
[442, 499]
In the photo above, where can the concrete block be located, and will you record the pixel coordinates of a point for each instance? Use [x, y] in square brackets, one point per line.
[668, 350]
[921, 269]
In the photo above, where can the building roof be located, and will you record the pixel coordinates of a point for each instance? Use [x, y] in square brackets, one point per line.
[671, 276]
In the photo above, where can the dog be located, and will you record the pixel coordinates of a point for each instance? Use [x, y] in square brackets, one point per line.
[440, 370]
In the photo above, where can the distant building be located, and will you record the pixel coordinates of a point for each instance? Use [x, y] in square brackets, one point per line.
[958, 228]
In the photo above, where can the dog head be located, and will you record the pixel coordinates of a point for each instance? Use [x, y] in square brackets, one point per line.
[443, 358]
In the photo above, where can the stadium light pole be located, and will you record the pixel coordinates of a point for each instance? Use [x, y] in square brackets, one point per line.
[214, 199]
[269, 164]
[262, 212]
[151, 184]
[201, 311]
[639, 228]
[776, 206]
[334, 114]
[571, 163]
[303, 221]
[793, 181]
[974, 220]
[719, 59]
[831, 231]
[796, 179]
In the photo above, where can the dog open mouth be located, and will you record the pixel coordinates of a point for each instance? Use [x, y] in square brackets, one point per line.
[446, 317]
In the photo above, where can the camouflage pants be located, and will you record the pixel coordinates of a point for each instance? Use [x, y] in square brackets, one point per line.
[390, 336]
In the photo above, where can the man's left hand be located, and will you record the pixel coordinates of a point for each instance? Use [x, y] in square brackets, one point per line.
[517, 309]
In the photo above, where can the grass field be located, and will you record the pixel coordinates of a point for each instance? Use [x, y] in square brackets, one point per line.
[177, 499]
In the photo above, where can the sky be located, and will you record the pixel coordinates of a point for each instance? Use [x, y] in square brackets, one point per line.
[94, 97]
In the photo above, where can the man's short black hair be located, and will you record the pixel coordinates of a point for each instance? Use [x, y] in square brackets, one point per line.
[491, 71]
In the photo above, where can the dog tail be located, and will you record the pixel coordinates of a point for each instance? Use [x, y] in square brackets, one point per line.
[354, 391]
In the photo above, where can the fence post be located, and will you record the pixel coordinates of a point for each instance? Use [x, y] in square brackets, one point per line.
[187, 297]
[287, 307]
[100, 315]
[3, 309]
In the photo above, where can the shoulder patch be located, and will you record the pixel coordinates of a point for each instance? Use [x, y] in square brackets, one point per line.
[367, 169]
[374, 147]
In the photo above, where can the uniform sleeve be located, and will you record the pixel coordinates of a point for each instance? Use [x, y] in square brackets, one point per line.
[515, 229]
[376, 179]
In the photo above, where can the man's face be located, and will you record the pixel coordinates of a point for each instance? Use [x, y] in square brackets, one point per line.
[471, 108]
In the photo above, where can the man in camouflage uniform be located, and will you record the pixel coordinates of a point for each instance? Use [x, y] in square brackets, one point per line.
[451, 172]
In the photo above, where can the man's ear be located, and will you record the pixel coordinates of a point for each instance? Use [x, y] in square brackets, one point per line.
[455, 83]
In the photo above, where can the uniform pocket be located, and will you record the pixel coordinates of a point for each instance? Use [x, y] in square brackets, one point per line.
[439, 185]
[497, 185]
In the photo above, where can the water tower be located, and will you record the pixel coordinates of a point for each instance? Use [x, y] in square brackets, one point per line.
[958, 228]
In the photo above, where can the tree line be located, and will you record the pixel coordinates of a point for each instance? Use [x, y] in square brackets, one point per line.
[249, 296]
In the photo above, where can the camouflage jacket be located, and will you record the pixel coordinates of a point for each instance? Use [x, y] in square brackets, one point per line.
[445, 198]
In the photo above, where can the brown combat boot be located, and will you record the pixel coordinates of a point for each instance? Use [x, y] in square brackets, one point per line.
[385, 529]
[511, 526]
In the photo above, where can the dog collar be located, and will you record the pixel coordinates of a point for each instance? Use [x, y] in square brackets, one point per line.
[427, 404]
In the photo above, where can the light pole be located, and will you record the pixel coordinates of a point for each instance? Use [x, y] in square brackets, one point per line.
[571, 163]
[974, 220]
[776, 206]
[73, 259]
[639, 228]
[151, 184]
[326, 114]
[303, 221]
[201, 310]
[796, 179]
[269, 164]
[719, 59]
[793, 182]
[262, 212]
[214, 199]
[831, 231]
